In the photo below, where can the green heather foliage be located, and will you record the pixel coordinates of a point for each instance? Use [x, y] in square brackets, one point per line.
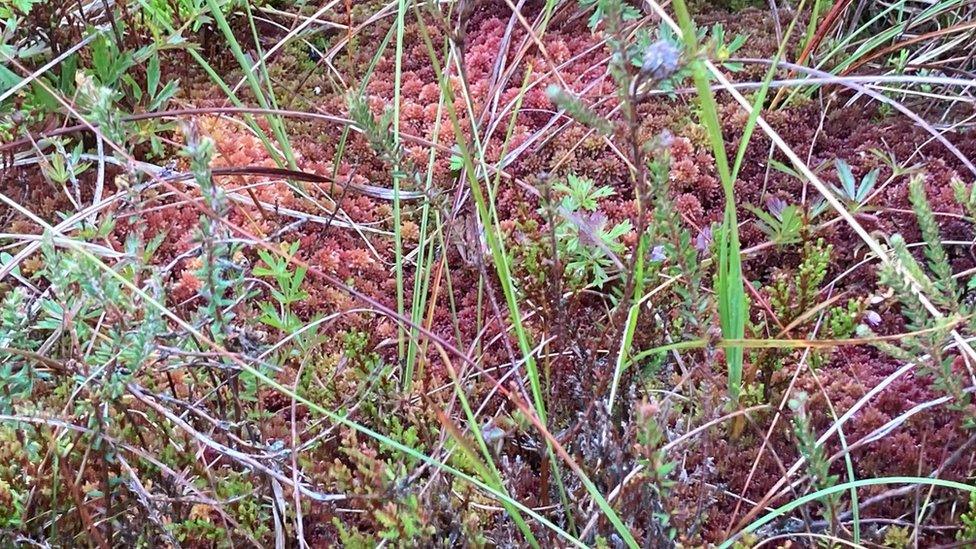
[934, 279]
[818, 466]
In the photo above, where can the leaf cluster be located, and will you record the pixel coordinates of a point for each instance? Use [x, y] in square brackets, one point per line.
[584, 242]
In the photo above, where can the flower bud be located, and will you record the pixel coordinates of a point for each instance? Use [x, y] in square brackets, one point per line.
[661, 60]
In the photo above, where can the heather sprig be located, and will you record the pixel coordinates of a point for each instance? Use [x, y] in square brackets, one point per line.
[929, 346]
[17, 375]
[818, 466]
[947, 291]
[219, 271]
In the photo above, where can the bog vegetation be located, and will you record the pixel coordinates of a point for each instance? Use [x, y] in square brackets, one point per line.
[487, 273]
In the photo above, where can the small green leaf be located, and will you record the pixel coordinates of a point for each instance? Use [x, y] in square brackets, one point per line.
[457, 163]
[152, 75]
[779, 166]
[866, 185]
[167, 93]
[5, 259]
[846, 178]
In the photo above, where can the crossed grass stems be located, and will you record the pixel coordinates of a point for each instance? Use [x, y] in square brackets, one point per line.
[420, 336]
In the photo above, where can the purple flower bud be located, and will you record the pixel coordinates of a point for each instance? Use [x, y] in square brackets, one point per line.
[660, 60]
[590, 225]
[665, 139]
[704, 239]
[872, 318]
[776, 206]
[657, 254]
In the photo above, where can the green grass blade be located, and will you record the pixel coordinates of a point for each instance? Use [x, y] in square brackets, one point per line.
[803, 500]
[732, 304]
[491, 474]
[225, 89]
[757, 105]
[397, 236]
[631, 327]
[277, 126]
